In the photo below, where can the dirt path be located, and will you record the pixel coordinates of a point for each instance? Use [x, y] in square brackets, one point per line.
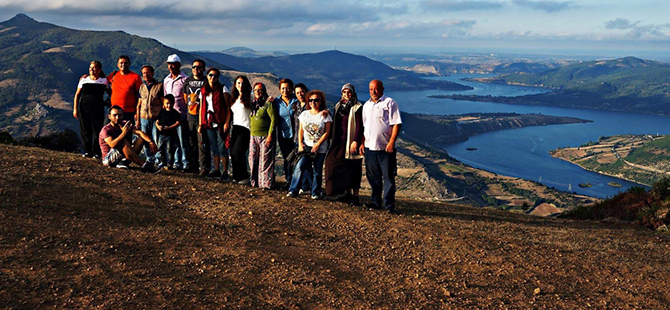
[76, 235]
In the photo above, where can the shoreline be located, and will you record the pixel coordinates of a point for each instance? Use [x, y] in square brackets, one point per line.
[485, 188]
[603, 173]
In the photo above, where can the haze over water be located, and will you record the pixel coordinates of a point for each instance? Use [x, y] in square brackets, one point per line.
[524, 153]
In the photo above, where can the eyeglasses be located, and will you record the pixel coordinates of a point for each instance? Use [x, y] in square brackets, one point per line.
[314, 100]
[198, 67]
[213, 75]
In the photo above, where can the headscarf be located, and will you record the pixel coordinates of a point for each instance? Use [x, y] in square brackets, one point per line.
[258, 103]
[345, 105]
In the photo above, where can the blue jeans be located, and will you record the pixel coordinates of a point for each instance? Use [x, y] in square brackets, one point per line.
[216, 143]
[166, 144]
[149, 127]
[180, 152]
[380, 170]
[300, 172]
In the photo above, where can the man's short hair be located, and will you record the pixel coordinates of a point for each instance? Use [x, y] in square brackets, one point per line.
[200, 61]
[115, 107]
[170, 98]
[148, 67]
[124, 57]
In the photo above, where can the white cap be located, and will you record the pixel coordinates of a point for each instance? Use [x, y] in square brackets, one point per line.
[173, 58]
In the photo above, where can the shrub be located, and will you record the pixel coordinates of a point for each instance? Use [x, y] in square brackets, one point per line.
[637, 205]
[64, 141]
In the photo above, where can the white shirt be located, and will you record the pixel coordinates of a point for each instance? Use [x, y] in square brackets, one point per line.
[378, 117]
[240, 114]
[314, 126]
[210, 107]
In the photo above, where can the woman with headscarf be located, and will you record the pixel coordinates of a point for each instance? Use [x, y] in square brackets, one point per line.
[343, 163]
[261, 144]
[214, 120]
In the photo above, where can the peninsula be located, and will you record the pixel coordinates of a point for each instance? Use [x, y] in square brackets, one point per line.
[445, 129]
[638, 158]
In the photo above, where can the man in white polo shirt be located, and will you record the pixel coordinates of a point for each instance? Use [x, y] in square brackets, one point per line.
[381, 127]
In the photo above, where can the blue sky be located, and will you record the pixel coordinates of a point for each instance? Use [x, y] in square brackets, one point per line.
[610, 27]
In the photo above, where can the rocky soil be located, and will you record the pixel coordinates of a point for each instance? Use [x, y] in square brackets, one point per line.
[74, 234]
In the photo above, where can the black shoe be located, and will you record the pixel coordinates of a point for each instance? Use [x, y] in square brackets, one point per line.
[346, 198]
[355, 201]
[225, 177]
[214, 175]
[124, 162]
[149, 168]
[391, 210]
[372, 206]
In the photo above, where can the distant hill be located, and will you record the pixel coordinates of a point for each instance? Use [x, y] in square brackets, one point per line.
[626, 84]
[522, 67]
[40, 64]
[445, 68]
[329, 70]
[249, 53]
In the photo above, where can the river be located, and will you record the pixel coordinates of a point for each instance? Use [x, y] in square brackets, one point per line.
[524, 153]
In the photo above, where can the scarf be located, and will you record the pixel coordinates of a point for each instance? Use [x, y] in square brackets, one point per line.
[345, 105]
[258, 103]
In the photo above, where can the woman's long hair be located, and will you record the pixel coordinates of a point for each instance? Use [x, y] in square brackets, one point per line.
[245, 97]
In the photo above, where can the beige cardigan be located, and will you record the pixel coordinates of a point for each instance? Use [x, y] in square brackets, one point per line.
[351, 126]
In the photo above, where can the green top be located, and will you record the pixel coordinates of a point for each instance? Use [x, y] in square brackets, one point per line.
[262, 124]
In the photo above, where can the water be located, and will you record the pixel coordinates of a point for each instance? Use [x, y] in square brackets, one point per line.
[524, 153]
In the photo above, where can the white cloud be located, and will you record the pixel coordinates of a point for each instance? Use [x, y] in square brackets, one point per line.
[637, 30]
[395, 29]
[546, 5]
[460, 5]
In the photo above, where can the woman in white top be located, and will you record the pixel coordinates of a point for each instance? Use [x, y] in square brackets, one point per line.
[239, 139]
[313, 142]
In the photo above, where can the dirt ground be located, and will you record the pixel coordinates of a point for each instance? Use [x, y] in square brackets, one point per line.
[74, 234]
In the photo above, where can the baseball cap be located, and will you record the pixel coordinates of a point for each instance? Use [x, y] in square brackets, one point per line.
[173, 58]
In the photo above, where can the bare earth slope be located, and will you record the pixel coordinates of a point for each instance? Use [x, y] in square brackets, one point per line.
[76, 235]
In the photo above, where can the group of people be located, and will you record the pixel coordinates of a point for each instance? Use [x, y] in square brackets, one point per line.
[195, 124]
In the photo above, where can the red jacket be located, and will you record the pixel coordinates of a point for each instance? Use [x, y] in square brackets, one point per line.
[219, 103]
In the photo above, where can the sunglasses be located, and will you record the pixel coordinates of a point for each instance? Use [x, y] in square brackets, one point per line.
[213, 75]
[314, 100]
[198, 67]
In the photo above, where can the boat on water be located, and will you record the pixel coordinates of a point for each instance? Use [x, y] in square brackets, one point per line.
[614, 184]
[470, 148]
[585, 185]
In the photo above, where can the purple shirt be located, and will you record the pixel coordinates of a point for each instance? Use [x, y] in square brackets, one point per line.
[175, 86]
[109, 131]
[378, 117]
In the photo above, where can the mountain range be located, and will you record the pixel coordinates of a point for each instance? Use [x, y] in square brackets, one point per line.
[329, 70]
[40, 64]
[625, 84]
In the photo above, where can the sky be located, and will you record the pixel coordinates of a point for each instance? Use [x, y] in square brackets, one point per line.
[599, 27]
